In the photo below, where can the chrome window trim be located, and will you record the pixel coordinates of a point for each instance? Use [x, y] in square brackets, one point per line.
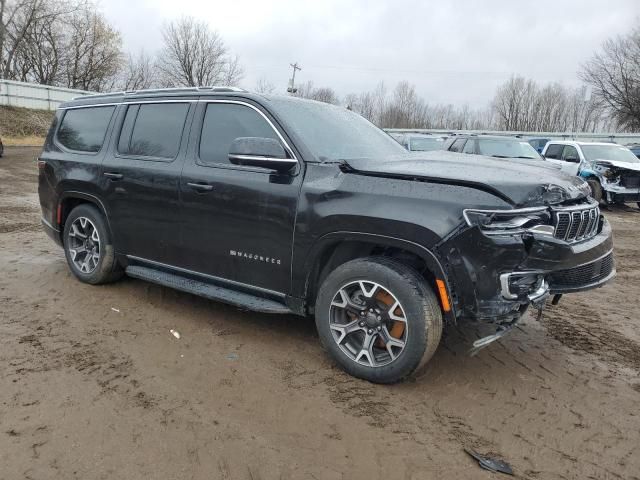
[288, 148]
[257, 157]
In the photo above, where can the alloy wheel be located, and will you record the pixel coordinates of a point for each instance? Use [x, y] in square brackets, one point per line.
[368, 323]
[84, 245]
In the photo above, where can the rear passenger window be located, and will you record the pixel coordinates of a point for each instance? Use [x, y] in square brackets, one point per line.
[554, 151]
[84, 129]
[223, 123]
[469, 147]
[153, 130]
[457, 145]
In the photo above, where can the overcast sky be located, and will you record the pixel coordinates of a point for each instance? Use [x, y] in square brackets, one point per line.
[453, 52]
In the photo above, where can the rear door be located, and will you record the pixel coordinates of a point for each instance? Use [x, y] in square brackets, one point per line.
[553, 153]
[237, 221]
[570, 160]
[140, 178]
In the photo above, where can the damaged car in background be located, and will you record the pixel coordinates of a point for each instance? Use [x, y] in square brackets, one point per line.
[284, 205]
[612, 171]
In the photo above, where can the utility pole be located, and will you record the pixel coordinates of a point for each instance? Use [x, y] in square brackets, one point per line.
[292, 89]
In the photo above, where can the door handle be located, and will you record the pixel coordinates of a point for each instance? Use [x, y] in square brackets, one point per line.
[203, 187]
[113, 176]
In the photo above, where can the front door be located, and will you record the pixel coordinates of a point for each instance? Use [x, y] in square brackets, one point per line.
[237, 221]
[141, 174]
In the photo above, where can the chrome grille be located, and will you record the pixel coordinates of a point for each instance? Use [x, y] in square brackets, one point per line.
[576, 223]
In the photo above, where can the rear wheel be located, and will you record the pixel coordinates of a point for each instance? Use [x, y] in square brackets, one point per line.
[88, 248]
[378, 319]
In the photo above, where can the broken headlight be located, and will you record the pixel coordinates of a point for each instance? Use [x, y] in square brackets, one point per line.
[511, 222]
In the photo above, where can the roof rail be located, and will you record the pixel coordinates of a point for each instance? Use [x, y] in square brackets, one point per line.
[212, 88]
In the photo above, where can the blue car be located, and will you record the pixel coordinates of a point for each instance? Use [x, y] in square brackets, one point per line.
[538, 143]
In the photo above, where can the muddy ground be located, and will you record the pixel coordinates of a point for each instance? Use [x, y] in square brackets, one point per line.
[94, 386]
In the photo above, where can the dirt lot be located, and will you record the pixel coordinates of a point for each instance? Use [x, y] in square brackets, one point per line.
[93, 385]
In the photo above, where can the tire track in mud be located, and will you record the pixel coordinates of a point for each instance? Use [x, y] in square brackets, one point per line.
[45, 350]
[582, 329]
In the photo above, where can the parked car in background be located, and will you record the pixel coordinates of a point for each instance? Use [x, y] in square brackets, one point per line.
[635, 149]
[612, 171]
[420, 142]
[538, 143]
[495, 146]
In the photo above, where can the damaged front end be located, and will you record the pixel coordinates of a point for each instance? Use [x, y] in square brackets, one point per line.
[620, 183]
[501, 262]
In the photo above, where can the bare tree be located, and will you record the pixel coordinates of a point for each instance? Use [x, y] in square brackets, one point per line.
[94, 52]
[194, 55]
[139, 72]
[30, 37]
[264, 86]
[614, 74]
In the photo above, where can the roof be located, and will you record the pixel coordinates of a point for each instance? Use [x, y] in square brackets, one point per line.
[489, 137]
[574, 143]
[177, 93]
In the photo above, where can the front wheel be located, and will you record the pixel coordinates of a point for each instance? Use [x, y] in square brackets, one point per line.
[596, 189]
[378, 319]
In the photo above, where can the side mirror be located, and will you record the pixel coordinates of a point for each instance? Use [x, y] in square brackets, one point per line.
[572, 159]
[260, 152]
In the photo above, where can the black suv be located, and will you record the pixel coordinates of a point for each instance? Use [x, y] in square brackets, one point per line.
[283, 205]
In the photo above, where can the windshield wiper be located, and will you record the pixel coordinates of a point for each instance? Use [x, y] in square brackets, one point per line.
[499, 156]
[528, 158]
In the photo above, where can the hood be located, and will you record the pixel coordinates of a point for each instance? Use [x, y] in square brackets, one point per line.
[520, 184]
[614, 163]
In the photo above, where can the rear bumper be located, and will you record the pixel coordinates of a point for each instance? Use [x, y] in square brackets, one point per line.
[53, 232]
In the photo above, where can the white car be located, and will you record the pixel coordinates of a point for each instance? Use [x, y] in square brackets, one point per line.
[612, 171]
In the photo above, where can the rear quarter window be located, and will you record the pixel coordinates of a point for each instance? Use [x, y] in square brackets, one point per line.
[84, 129]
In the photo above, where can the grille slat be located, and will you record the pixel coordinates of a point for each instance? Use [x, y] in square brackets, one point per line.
[574, 224]
[583, 275]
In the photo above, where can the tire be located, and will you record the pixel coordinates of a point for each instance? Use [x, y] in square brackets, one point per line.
[596, 190]
[339, 308]
[1, 149]
[100, 267]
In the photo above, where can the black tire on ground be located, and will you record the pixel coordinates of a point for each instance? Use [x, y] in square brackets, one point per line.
[1, 148]
[107, 269]
[596, 189]
[417, 299]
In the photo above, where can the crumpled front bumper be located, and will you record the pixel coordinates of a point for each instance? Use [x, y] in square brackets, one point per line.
[482, 270]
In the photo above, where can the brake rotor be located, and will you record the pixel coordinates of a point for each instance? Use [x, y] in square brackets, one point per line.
[397, 328]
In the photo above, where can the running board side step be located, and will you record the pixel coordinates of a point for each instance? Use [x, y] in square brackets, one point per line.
[207, 290]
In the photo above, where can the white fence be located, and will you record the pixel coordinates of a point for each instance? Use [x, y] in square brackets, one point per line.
[33, 95]
[621, 138]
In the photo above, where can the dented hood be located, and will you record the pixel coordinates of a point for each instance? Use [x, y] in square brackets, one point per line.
[515, 182]
[614, 163]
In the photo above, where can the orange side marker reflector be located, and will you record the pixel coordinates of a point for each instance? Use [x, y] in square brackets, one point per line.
[444, 298]
[59, 214]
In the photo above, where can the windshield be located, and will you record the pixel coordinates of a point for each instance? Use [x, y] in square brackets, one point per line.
[506, 148]
[422, 144]
[335, 133]
[609, 152]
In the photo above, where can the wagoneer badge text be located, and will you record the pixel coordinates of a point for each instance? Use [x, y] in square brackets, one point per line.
[254, 256]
